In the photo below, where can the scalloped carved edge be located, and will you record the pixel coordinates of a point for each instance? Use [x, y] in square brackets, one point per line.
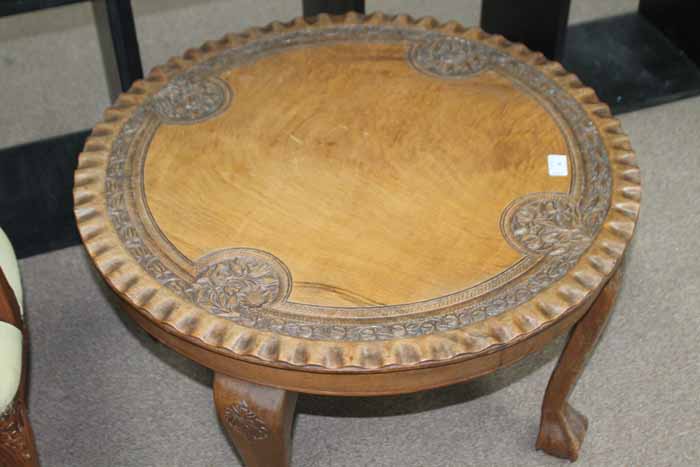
[128, 280]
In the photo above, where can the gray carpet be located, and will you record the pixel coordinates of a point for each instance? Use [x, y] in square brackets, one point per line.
[104, 394]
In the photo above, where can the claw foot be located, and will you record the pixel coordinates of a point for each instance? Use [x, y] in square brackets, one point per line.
[562, 432]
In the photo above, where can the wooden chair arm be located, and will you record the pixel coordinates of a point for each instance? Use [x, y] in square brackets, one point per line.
[9, 307]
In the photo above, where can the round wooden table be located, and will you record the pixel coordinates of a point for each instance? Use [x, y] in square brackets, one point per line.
[360, 205]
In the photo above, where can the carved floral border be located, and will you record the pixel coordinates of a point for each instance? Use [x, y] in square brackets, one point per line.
[500, 319]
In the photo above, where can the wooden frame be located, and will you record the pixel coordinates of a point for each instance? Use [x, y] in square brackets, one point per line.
[17, 446]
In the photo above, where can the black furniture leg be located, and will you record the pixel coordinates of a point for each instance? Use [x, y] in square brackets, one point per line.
[120, 47]
[677, 20]
[539, 24]
[334, 7]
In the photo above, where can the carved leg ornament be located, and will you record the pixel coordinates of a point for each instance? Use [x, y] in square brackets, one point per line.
[258, 420]
[562, 428]
[16, 438]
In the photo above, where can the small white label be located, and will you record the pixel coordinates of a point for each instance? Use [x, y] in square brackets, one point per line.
[558, 165]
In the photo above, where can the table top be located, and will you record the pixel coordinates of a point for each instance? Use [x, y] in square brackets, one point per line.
[357, 193]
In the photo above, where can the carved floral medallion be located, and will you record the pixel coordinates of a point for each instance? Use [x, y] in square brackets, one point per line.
[447, 57]
[548, 224]
[239, 417]
[239, 279]
[191, 100]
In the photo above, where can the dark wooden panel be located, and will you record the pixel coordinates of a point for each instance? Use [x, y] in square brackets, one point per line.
[36, 201]
[678, 20]
[630, 63]
[13, 7]
[335, 7]
[539, 24]
[120, 47]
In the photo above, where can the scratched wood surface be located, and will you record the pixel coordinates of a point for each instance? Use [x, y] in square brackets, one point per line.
[370, 194]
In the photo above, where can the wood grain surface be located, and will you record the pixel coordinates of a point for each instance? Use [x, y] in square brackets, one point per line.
[374, 183]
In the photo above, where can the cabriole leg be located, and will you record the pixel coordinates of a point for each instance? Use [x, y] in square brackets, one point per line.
[562, 428]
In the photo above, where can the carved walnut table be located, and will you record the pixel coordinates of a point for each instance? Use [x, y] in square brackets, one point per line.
[360, 206]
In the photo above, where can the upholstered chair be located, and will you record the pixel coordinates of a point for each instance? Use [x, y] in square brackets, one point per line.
[17, 446]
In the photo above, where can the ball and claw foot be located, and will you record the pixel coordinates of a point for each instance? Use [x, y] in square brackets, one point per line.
[562, 428]
[562, 433]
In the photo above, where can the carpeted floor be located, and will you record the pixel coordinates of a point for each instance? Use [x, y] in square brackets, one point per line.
[104, 394]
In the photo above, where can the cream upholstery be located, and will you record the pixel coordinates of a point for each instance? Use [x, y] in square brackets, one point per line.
[10, 363]
[8, 263]
[10, 336]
